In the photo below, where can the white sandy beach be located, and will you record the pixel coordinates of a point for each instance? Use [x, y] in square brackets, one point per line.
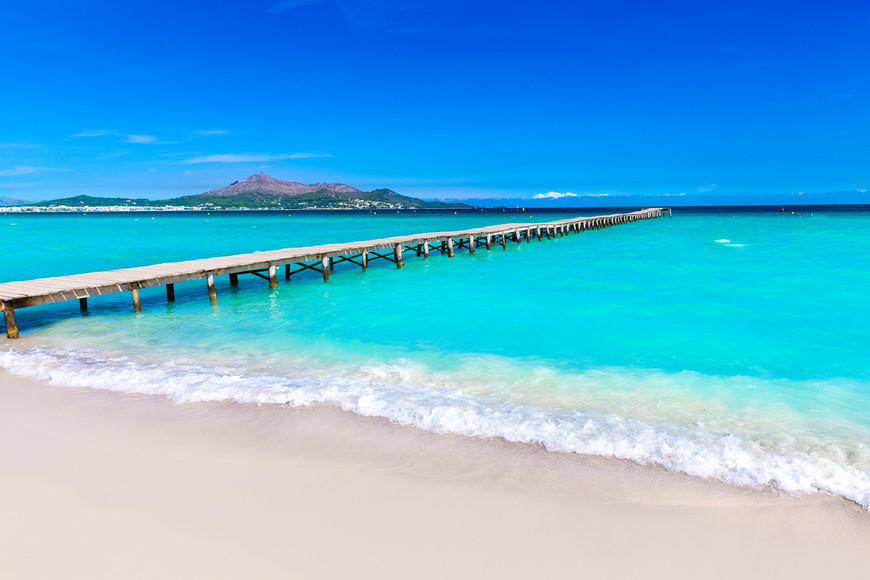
[104, 485]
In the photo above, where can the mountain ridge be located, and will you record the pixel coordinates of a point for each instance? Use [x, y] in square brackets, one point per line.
[260, 191]
[262, 183]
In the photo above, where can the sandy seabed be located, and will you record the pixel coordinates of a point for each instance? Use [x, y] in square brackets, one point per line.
[107, 485]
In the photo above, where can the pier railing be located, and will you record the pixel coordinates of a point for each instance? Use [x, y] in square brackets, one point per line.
[321, 259]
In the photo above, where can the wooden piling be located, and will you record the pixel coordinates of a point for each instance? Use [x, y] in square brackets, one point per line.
[273, 279]
[137, 306]
[83, 304]
[365, 259]
[425, 249]
[209, 282]
[397, 252]
[234, 279]
[470, 244]
[324, 266]
[11, 323]
[331, 264]
[449, 247]
[170, 292]
[488, 241]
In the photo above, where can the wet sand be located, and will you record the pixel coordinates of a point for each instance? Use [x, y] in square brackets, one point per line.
[106, 485]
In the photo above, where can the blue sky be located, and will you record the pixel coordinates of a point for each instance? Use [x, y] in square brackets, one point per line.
[438, 98]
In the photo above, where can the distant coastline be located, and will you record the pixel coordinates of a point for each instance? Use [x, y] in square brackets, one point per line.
[257, 192]
[767, 208]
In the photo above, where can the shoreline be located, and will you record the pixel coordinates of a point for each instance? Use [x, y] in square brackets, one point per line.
[104, 484]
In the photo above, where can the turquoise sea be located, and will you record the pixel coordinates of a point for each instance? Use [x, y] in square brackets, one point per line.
[729, 344]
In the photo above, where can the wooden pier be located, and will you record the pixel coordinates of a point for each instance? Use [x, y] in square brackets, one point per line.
[321, 259]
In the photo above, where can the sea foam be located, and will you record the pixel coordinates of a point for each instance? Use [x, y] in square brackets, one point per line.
[410, 394]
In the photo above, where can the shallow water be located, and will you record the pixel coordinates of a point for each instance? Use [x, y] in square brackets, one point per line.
[725, 344]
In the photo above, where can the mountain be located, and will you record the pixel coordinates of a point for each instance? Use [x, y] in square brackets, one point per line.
[7, 201]
[263, 184]
[260, 191]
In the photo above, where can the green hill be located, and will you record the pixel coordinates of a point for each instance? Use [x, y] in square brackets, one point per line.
[263, 192]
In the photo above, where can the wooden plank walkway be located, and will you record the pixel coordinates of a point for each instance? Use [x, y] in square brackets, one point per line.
[320, 258]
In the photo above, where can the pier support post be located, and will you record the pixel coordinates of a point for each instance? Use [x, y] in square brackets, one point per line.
[170, 292]
[397, 252]
[470, 244]
[11, 323]
[324, 265]
[273, 279]
[449, 247]
[137, 306]
[331, 264]
[517, 237]
[234, 279]
[488, 241]
[426, 249]
[286, 271]
[209, 281]
[365, 259]
[419, 250]
[83, 304]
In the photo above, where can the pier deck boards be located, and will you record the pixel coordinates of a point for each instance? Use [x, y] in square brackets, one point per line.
[25, 293]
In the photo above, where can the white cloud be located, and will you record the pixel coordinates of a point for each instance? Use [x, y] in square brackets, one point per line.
[710, 187]
[127, 137]
[248, 157]
[94, 133]
[862, 191]
[140, 138]
[19, 170]
[557, 195]
[279, 8]
[554, 195]
[210, 133]
[672, 194]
